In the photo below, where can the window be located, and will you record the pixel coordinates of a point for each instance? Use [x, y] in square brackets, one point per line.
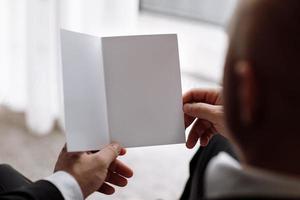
[213, 11]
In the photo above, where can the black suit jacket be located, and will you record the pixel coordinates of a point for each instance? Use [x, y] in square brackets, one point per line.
[14, 185]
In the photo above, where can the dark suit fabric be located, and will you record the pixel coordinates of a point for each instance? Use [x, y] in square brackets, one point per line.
[15, 186]
[194, 189]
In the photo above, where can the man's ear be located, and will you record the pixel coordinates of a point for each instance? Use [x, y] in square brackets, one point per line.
[247, 91]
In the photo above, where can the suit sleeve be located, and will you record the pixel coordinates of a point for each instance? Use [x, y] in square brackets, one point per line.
[40, 190]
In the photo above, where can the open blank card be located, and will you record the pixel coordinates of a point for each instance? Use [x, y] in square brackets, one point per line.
[125, 89]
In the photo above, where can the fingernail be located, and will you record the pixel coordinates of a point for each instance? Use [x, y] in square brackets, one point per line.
[187, 145]
[202, 143]
[117, 147]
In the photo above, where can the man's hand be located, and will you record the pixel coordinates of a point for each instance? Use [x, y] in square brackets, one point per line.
[93, 170]
[206, 107]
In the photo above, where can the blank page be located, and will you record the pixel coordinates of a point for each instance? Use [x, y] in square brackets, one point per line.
[143, 90]
[84, 92]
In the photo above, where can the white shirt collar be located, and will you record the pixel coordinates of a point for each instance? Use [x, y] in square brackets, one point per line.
[226, 178]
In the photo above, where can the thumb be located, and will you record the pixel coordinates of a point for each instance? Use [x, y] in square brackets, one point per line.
[201, 110]
[109, 153]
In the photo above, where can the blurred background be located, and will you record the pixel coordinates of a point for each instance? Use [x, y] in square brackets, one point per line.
[30, 84]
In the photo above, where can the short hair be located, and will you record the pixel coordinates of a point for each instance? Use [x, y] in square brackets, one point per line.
[267, 34]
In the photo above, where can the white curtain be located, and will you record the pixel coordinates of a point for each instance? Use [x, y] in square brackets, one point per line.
[30, 66]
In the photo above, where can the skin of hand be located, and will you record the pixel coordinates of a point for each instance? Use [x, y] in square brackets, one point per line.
[93, 171]
[205, 108]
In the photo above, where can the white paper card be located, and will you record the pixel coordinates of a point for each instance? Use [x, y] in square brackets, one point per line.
[125, 89]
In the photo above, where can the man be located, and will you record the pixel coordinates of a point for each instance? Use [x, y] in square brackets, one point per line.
[76, 176]
[260, 118]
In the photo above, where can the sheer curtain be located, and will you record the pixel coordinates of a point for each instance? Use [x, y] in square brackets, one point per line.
[29, 49]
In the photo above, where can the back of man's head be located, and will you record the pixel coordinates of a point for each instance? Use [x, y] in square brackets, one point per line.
[265, 38]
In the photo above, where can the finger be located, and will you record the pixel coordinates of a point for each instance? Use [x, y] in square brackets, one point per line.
[188, 120]
[192, 140]
[193, 95]
[109, 153]
[188, 98]
[123, 151]
[116, 179]
[204, 141]
[198, 129]
[64, 149]
[122, 169]
[201, 110]
[210, 96]
[195, 133]
[206, 137]
[106, 189]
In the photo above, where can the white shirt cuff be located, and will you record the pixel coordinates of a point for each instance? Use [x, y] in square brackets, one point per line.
[66, 184]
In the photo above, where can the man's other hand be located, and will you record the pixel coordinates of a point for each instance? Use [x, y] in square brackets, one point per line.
[93, 171]
[205, 107]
